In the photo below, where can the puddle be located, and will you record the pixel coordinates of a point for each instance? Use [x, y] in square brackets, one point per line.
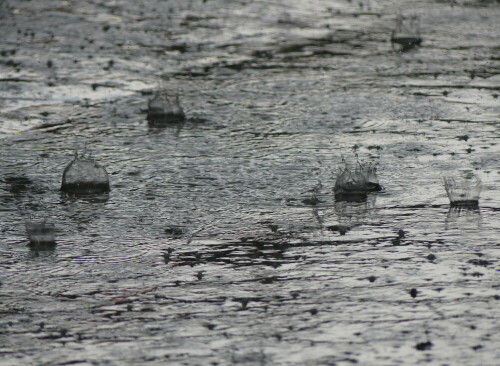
[221, 241]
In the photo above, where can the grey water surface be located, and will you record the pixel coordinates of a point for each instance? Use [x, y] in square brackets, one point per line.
[209, 248]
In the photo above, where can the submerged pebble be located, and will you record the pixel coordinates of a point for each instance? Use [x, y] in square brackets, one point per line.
[84, 175]
[163, 110]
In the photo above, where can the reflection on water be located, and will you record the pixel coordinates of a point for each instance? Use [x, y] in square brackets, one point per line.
[350, 214]
[174, 129]
[463, 217]
[44, 251]
[67, 198]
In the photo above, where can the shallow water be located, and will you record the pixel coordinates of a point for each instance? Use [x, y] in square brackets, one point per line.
[275, 94]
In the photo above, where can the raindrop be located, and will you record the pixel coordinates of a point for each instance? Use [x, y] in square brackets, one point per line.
[84, 175]
[163, 110]
[356, 183]
[406, 36]
[463, 191]
[41, 234]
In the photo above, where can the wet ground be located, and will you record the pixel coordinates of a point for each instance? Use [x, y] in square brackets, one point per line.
[210, 249]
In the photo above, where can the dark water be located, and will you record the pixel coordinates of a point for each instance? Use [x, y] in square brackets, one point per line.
[275, 94]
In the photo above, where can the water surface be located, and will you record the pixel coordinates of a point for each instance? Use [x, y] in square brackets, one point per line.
[275, 94]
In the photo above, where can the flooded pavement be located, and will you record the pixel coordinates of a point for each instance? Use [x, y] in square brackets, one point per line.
[220, 241]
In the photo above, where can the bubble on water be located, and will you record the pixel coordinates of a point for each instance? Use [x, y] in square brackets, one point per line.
[463, 191]
[164, 110]
[355, 183]
[406, 36]
[41, 234]
[84, 175]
